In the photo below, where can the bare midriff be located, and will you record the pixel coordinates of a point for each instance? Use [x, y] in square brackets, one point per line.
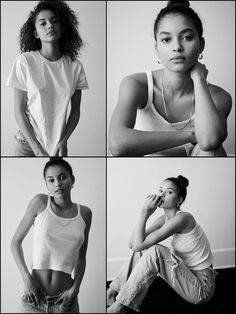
[52, 282]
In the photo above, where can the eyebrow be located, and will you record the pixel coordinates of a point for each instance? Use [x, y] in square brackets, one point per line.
[58, 175]
[43, 19]
[183, 31]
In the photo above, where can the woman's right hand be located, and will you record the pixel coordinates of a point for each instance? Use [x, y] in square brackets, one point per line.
[33, 292]
[150, 204]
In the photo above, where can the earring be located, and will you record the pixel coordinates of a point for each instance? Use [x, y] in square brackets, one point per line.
[72, 186]
[200, 56]
[158, 61]
[49, 194]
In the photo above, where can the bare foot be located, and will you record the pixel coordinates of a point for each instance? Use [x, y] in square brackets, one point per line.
[111, 296]
[116, 307]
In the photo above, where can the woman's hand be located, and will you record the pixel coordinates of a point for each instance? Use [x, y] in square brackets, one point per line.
[150, 204]
[199, 70]
[61, 149]
[66, 298]
[33, 292]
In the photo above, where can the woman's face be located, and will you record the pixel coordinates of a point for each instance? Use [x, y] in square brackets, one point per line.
[178, 44]
[58, 181]
[169, 194]
[48, 26]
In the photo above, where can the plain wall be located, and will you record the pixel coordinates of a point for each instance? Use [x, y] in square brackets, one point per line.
[21, 179]
[89, 137]
[210, 199]
[131, 47]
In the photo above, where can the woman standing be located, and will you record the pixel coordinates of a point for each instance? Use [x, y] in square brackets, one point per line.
[47, 77]
[186, 266]
[61, 229]
[173, 111]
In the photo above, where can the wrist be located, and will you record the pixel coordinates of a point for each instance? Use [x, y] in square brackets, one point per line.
[27, 277]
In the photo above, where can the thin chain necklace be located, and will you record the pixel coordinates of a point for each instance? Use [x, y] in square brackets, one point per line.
[164, 104]
[58, 217]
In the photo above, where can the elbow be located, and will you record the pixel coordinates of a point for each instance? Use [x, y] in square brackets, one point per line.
[117, 145]
[136, 247]
[211, 143]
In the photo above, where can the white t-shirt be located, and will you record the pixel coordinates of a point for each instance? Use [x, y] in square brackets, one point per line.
[49, 86]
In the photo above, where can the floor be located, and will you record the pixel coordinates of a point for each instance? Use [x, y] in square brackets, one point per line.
[166, 301]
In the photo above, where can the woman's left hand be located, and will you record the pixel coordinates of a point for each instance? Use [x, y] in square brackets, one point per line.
[199, 70]
[61, 149]
[66, 298]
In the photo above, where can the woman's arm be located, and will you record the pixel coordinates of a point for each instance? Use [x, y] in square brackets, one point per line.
[22, 120]
[210, 112]
[141, 241]
[124, 140]
[27, 221]
[158, 223]
[80, 261]
[70, 125]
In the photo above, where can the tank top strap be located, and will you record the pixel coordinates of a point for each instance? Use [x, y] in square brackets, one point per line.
[150, 88]
[48, 202]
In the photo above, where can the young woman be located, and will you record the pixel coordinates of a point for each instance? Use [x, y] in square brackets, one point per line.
[186, 266]
[47, 77]
[173, 111]
[61, 229]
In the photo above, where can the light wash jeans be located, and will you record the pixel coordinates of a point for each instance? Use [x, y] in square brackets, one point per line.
[21, 147]
[136, 276]
[47, 305]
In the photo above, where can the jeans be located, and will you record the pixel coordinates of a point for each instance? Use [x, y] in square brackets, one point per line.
[47, 305]
[21, 146]
[136, 276]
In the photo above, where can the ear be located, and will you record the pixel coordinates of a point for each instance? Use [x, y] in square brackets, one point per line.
[36, 34]
[202, 44]
[180, 200]
[73, 180]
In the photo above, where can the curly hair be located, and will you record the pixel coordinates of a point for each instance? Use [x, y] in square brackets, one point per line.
[70, 42]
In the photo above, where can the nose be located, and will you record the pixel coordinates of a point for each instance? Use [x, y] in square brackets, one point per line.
[57, 183]
[177, 46]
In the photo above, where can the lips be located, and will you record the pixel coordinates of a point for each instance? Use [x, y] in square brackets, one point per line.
[59, 191]
[178, 58]
[51, 33]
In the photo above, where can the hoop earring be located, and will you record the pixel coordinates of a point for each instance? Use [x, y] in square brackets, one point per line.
[200, 56]
[158, 61]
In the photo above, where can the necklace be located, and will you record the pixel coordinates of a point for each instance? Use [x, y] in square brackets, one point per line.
[164, 104]
[58, 218]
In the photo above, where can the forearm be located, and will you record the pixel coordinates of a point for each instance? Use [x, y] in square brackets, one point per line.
[78, 275]
[17, 252]
[27, 130]
[71, 124]
[139, 232]
[130, 142]
[210, 129]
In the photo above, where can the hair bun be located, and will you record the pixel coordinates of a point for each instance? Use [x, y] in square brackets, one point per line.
[183, 180]
[176, 2]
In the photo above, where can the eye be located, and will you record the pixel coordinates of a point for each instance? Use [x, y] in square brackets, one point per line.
[42, 24]
[165, 40]
[188, 37]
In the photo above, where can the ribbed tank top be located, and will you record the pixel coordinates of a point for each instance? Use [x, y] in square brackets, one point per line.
[148, 119]
[192, 248]
[56, 240]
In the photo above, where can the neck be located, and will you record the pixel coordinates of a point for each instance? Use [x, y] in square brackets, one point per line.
[63, 203]
[50, 51]
[177, 83]
[171, 212]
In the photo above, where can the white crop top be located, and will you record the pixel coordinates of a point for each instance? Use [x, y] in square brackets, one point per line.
[49, 86]
[148, 119]
[56, 240]
[192, 248]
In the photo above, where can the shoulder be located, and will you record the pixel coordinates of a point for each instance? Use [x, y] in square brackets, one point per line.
[86, 214]
[221, 98]
[37, 204]
[135, 86]
[76, 63]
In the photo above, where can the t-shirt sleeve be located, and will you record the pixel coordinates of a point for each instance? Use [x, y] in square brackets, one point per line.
[80, 77]
[17, 76]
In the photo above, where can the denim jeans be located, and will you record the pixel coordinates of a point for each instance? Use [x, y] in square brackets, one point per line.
[47, 305]
[21, 146]
[136, 276]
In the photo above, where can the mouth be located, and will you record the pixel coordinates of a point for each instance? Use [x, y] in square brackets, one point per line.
[59, 191]
[177, 59]
[51, 33]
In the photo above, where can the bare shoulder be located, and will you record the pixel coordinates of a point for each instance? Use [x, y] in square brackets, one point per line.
[86, 214]
[186, 219]
[37, 204]
[221, 98]
[135, 85]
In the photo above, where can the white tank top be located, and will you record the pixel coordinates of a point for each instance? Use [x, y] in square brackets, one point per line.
[56, 240]
[148, 119]
[192, 248]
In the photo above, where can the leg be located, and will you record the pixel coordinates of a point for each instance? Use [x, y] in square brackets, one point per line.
[123, 275]
[157, 260]
[219, 152]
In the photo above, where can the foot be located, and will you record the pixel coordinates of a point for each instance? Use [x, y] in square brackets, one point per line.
[116, 307]
[111, 296]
